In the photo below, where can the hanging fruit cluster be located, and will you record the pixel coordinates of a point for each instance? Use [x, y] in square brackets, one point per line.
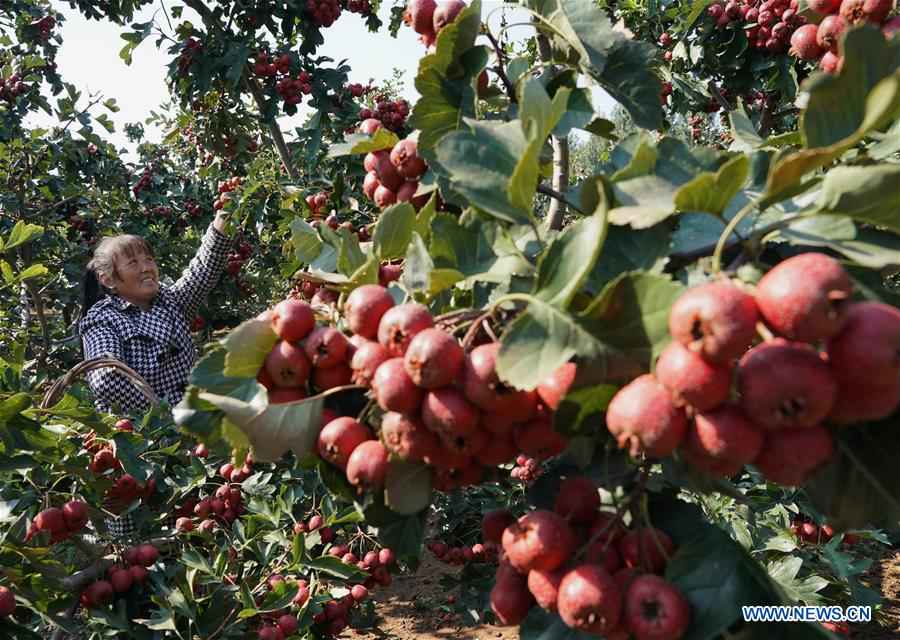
[820, 42]
[324, 12]
[768, 25]
[392, 175]
[317, 203]
[428, 17]
[587, 566]
[391, 114]
[61, 522]
[787, 389]
[121, 578]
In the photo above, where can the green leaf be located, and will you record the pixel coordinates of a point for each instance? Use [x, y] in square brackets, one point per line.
[870, 194]
[306, 242]
[711, 192]
[393, 231]
[360, 143]
[335, 567]
[580, 409]
[7, 272]
[444, 79]
[405, 535]
[636, 155]
[629, 250]
[22, 232]
[867, 247]
[407, 488]
[745, 136]
[569, 259]
[480, 164]
[579, 113]
[784, 571]
[350, 255]
[247, 347]
[543, 625]
[643, 202]
[33, 271]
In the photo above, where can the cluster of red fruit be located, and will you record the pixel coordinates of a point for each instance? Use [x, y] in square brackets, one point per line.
[193, 208]
[226, 187]
[237, 258]
[527, 470]
[60, 523]
[820, 42]
[463, 555]
[362, 7]
[391, 114]
[192, 48]
[587, 567]
[121, 578]
[226, 505]
[787, 387]
[316, 203]
[324, 12]
[808, 531]
[126, 488]
[768, 24]
[12, 87]
[442, 406]
[428, 17]
[358, 90]
[392, 175]
[143, 182]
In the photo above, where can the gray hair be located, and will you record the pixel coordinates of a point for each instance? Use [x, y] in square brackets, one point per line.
[109, 248]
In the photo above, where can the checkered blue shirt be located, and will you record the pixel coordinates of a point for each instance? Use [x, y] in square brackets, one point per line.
[156, 343]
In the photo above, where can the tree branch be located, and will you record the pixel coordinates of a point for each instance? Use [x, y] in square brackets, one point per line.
[553, 193]
[500, 69]
[558, 206]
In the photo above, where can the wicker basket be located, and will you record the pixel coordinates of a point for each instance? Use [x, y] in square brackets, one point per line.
[56, 391]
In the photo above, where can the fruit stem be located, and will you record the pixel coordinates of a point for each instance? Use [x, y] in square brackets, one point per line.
[749, 208]
[764, 332]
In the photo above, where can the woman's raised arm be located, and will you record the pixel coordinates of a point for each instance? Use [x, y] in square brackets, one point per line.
[204, 271]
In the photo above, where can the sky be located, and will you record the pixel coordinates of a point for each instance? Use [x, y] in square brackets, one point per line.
[89, 59]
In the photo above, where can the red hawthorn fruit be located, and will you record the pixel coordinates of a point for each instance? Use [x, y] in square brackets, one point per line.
[445, 13]
[828, 36]
[446, 411]
[407, 192]
[655, 610]
[577, 500]
[544, 586]
[891, 27]
[384, 197]
[869, 344]
[805, 297]
[147, 555]
[499, 449]
[386, 557]
[785, 385]
[510, 598]
[288, 365]
[121, 580]
[338, 439]
[803, 42]
[842, 628]
[75, 514]
[552, 390]
[326, 347]
[124, 425]
[324, 379]
[824, 7]
[589, 600]
[103, 460]
[483, 387]
[405, 158]
[691, 379]
[270, 633]
[368, 465]
[201, 451]
[366, 360]
[52, 521]
[138, 574]
[388, 273]
[364, 309]
[283, 396]
[421, 14]
[538, 439]
[293, 319]
[394, 390]
[97, 594]
[831, 63]
[647, 548]
[433, 358]
[538, 540]
[359, 593]
[370, 185]
[861, 401]
[604, 554]
[407, 438]
[387, 173]
[184, 525]
[470, 445]
[493, 524]
[400, 324]
[7, 602]
[789, 456]
[716, 320]
[643, 417]
[288, 624]
[722, 441]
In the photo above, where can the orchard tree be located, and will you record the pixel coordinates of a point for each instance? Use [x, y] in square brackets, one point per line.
[646, 371]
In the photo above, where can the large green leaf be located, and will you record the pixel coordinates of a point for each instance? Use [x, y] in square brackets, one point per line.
[247, 347]
[634, 156]
[711, 192]
[407, 488]
[22, 232]
[867, 247]
[569, 259]
[643, 202]
[444, 79]
[393, 231]
[306, 242]
[628, 250]
[359, 143]
[870, 194]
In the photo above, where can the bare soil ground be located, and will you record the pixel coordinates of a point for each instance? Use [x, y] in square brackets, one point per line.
[410, 608]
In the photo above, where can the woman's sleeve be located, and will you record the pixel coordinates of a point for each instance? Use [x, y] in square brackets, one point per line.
[202, 273]
[110, 387]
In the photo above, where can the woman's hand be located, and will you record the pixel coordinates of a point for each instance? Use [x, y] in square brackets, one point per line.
[220, 223]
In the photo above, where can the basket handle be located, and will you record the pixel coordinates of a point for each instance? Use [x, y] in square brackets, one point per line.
[56, 391]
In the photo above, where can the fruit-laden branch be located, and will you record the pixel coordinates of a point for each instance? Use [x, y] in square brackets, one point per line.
[210, 20]
[80, 579]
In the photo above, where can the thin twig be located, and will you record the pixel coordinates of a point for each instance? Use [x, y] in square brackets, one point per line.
[553, 193]
[500, 68]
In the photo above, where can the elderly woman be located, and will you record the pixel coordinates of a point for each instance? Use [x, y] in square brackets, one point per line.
[128, 315]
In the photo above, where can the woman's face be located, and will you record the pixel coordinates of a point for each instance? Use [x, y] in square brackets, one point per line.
[138, 278]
